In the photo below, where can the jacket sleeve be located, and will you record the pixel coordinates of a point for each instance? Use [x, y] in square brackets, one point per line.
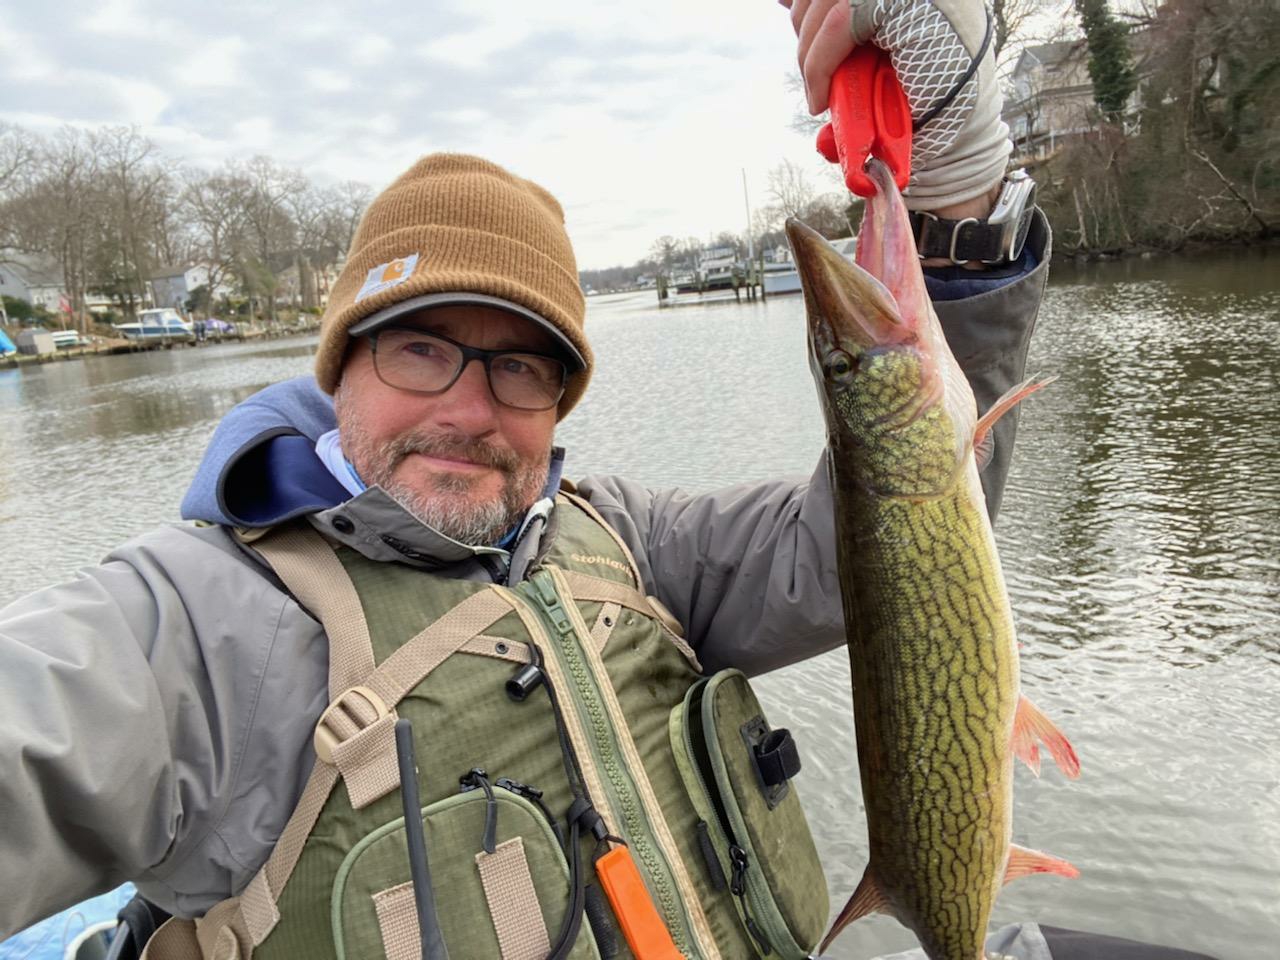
[118, 734]
[751, 570]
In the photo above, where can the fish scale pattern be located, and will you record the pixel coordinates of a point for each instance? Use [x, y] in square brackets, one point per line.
[929, 58]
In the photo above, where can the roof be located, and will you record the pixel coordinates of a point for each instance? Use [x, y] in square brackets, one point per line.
[1046, 54]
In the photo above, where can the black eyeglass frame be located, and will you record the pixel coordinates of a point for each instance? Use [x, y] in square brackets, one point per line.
[469, 353]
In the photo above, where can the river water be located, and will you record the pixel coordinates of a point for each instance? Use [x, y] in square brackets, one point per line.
[1140, 535]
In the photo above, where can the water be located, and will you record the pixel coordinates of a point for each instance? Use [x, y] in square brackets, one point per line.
[1140, 534]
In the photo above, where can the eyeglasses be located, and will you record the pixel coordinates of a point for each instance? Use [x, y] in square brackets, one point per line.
[421, 362]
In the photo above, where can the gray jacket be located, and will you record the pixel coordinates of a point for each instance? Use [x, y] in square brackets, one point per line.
[157, 712]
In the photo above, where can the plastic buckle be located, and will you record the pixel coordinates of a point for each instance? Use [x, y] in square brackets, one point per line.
[344, 719]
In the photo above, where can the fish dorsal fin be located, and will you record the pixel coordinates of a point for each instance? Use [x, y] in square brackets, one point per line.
[868, 898]
[1024, 862]
[1008, 400]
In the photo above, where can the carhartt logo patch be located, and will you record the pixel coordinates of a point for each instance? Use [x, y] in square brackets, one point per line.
[387, 275]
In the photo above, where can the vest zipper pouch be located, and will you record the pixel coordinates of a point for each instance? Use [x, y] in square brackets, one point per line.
[752, 831]
[498, 875]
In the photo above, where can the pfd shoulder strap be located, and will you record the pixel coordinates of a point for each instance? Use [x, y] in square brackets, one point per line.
[355, 735]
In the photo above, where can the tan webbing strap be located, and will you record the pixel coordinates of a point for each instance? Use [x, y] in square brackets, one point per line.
[417, 657]
[174, 940]
[606, 620]
[284, 856]
[218, 935]
[513, 903]
[586, 587]
[398, 921]
[314, 574]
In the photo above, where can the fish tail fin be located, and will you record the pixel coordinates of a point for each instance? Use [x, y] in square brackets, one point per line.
[1031, 727]
[867, 898]
[1024, 862]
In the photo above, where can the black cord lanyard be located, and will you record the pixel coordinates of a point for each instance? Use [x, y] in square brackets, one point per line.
[954, 92]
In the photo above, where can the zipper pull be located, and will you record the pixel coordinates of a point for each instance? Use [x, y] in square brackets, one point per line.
[534, 796]
[546, 594]
[738, 887]
[476, 777]
[739, 862]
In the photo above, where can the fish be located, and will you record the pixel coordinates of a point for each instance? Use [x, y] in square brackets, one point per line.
[938, 713]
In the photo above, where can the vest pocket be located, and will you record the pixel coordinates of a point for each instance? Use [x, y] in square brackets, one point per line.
[506, 904]
[753, 833]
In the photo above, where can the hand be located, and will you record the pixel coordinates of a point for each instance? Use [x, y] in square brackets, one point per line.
[961, 153]
[825, 41]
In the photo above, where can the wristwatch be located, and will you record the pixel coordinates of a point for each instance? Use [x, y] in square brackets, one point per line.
[997, 239]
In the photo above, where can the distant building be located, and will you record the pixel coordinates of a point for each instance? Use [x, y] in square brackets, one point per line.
[1052, 98]
[172, 287]
[38, 281]
[1051, 95]
[32, 279]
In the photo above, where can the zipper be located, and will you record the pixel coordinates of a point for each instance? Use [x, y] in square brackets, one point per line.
[740, 877]
[547, 605]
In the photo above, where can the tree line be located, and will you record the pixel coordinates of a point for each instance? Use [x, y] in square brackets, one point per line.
[106, 210]
[1185, 145]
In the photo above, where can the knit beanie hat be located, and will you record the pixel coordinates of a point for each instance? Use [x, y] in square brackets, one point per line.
[459, 229]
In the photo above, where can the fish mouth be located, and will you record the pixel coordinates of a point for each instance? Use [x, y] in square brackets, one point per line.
[846, 305]
[878, 301]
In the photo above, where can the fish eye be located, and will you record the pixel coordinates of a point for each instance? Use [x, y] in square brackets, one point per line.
[840, 366]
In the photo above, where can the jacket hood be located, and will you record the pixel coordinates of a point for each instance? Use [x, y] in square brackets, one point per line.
[260, 467]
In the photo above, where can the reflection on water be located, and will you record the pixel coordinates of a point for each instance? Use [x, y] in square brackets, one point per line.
[1140, 534]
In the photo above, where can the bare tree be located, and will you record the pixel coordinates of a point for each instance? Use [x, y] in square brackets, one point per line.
[216, 205]
[134, 195]
[18, 153]
[269, 228]
[49, 217]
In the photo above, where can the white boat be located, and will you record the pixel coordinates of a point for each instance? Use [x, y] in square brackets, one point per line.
[780, 275]
[163, 324]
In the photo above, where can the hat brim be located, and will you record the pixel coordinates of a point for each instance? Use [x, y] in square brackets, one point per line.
[396, 311]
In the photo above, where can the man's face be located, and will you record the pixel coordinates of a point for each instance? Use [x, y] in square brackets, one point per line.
[460, 461]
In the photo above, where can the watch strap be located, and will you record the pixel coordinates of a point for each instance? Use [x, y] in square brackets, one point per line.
[957, 240]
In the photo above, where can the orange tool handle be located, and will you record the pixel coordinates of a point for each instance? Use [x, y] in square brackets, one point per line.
[646, 934]
[870, 117]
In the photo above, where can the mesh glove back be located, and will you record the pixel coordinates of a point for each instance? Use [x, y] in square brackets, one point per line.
[961, 153]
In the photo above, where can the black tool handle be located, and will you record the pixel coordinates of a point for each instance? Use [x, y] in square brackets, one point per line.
[433, 947]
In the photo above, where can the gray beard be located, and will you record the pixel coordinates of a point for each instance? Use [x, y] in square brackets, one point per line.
[443, 507]
[475, 524]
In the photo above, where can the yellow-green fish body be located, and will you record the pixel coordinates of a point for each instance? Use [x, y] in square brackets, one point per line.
[931, 640]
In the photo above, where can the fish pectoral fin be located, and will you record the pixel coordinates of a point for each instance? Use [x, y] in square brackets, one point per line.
[983, 445]
[868, 898]
[1023, 862]
[1030, 728]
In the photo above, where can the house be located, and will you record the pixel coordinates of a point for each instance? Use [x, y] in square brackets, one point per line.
[1051, 98]
[1050, 95]
[32, 279]
[38, 281]
[171, 287]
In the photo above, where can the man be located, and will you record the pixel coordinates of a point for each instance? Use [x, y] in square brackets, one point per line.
[181, 715]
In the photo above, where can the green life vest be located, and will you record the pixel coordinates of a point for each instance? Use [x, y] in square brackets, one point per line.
[523, 700]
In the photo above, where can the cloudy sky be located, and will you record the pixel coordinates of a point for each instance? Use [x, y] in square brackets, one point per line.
[639, 116]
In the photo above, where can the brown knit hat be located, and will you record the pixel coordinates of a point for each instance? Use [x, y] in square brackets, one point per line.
[458, 225]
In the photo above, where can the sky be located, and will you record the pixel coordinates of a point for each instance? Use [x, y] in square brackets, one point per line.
[640, 117]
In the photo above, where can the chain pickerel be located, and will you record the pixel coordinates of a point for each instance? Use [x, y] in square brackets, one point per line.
[937, 708]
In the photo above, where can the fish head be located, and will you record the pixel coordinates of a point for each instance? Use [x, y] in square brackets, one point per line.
[900, 414]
